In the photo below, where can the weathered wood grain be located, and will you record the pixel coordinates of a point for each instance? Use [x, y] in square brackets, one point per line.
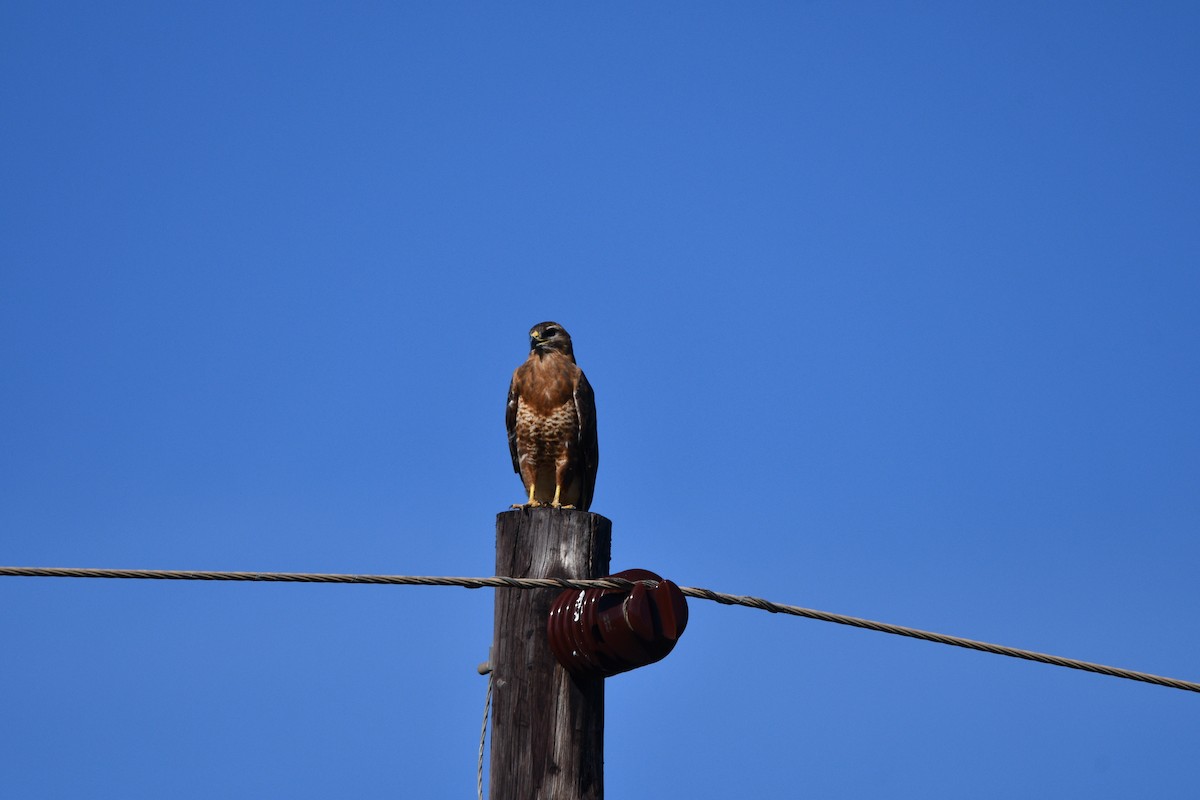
[547, 728]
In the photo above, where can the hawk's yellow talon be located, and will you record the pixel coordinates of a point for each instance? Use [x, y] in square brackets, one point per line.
[531, 503]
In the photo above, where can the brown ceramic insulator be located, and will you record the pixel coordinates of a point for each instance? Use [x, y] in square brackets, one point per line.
[603, 632]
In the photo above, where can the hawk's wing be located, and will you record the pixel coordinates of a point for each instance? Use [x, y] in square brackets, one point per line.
[589, 447]
[510, 421]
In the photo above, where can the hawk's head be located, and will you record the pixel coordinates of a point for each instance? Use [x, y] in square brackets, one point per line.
[549, 337]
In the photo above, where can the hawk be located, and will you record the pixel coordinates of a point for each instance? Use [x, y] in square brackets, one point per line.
[551, 421]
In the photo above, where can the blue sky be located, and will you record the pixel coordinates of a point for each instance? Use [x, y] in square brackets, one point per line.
[890, 309]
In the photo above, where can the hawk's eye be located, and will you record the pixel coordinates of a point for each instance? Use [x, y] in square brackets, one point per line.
[551, 331]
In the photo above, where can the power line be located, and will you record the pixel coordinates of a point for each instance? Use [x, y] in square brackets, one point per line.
[501, 582]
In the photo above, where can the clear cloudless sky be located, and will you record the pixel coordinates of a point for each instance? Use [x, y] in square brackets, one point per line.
[891, 309]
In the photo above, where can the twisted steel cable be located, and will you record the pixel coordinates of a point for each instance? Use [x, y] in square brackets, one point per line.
[501, 582]
[487, 706]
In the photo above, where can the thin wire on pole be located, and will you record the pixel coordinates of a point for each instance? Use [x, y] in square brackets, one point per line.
[501, 582]
[487, 707]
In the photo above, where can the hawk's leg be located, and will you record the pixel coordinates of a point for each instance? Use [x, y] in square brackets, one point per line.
[532, 503]
[558, 493]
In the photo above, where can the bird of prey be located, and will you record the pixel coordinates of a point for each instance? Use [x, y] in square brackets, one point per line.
[551, 421]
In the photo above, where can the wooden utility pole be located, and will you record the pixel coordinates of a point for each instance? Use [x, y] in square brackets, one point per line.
[547, 727]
